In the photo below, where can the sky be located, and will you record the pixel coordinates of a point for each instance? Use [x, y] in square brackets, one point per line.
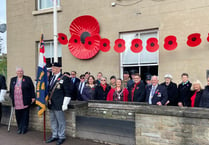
[3, 20]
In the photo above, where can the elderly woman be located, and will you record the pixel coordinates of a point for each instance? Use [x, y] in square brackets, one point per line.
[89, 89]
[22, 95]
[196, 93]
[102, 89]
[204, 100]
[119, 93]
[171, 90]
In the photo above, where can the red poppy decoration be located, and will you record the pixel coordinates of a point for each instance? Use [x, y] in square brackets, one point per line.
[87, 29]
[92, 43]
[119, 45]
[152, 45]
[62, 38]
[105, 45]
[136, 45]
[170, 42]
[194, 40]
[208, 37]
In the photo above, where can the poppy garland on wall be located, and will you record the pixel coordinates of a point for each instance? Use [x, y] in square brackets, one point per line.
[85, 41]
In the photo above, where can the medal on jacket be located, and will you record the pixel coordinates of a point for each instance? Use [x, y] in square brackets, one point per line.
[58, 86]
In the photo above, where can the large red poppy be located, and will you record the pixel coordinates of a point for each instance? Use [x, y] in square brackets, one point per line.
[136, 45]
[170, 42]
[85, 26]
[208, 37]
[119, 45]
[152, 44]
[62, 38]
[194, 40]
[105, 45]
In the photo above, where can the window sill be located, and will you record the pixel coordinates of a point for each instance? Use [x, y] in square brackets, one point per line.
[45, 11]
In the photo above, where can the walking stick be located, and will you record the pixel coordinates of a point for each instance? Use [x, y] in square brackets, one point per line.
[44, 126]
[10, 119]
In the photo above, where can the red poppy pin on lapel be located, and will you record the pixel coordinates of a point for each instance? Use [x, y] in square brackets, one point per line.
[152, 45]
[170, 42]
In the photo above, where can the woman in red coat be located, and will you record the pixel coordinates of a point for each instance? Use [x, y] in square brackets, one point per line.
[118, 93]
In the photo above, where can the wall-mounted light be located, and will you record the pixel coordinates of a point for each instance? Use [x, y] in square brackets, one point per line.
[113, 4]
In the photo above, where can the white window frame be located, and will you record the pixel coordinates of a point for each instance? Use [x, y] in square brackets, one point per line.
[38, 5]
[51, 43]
[144, 47]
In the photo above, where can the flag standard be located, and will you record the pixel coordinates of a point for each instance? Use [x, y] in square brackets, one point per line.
[41, 84]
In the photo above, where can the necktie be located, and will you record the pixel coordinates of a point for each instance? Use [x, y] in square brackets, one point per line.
[151, 94]
[52, 81]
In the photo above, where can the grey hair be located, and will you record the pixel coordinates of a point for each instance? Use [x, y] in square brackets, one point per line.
[156, 77]
[104, 77]
[196, 82]
[19, 68]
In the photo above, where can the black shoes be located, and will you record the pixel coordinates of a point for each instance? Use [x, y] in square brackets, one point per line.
[51, 140]
[60, 141]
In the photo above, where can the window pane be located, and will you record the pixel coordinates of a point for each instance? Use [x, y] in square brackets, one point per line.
[129, 57]
[44, 4]
[146, 56]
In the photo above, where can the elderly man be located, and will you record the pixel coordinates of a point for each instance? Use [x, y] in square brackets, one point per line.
[60, 92]
[156, 94]
[171, 90]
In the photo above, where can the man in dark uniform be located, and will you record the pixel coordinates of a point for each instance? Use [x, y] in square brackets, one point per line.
[3, 90]
[60, 92]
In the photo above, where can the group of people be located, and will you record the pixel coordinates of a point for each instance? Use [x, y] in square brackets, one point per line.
[62, 88]
[133, 89]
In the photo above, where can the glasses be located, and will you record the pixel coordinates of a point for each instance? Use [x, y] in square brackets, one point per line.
[103, 80]
[81, 78]
[72, 74]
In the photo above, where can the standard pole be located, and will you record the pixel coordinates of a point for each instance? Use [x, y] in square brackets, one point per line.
[55, 31]
[44, 126]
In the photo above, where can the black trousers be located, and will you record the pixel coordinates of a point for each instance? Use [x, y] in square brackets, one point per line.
[22, 118]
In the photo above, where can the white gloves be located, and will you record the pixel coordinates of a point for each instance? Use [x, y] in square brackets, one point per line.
[2, 95]
[65, 103]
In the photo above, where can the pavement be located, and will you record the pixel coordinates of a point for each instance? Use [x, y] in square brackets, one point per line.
[35, 138]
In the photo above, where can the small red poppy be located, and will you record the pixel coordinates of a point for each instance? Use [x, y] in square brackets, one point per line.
[194, 40]
[119, 45]
[136, 45]
[105, 45]
[152, 44]
[170, 42]
[62, 38]
[208, 37]
[23, 80]
[90, 42]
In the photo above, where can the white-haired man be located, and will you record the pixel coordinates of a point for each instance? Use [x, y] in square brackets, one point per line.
[156, 94]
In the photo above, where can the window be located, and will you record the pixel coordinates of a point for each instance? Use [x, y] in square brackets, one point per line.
[46, 4]
[144, 62]
[49, 52]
